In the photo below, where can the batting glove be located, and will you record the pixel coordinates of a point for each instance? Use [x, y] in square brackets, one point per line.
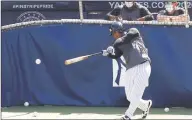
[104, 52]
[111, 50]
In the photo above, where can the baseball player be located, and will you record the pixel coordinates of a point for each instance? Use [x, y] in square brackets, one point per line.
[130, 45]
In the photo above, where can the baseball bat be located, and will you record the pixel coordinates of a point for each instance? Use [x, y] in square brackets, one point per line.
[80, 58]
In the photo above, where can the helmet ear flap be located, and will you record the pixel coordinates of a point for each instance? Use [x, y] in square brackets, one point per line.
[111, 31]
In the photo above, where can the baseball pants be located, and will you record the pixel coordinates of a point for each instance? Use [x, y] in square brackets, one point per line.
[137, 79]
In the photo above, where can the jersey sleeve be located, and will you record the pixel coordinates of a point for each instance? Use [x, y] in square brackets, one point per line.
[144, 12]
[132, 33]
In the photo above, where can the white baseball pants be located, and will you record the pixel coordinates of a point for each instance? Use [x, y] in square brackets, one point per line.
[137, 79]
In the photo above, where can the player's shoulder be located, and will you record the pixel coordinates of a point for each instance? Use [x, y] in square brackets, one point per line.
[118, 41]
[133, 30]
[131, 33]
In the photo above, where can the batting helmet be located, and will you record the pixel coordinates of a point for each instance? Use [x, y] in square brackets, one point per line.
[116, 27]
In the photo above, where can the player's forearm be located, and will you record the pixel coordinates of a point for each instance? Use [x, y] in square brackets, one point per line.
[116, 56]
[114, 53]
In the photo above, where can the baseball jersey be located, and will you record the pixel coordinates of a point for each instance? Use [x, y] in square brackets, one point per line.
[132, 47]
[131, 14]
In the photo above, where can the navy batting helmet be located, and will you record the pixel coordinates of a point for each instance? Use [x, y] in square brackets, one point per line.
[116, 27]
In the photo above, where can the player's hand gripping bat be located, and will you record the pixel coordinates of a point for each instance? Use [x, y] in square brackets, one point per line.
[80, 58]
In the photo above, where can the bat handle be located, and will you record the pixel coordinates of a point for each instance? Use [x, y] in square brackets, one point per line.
[96, 53]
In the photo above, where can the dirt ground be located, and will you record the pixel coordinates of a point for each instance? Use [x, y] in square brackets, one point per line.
[66, 112]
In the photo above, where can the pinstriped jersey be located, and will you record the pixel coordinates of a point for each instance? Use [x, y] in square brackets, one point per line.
[132, 48]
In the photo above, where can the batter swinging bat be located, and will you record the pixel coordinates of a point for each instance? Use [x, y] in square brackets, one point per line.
[81, 58]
